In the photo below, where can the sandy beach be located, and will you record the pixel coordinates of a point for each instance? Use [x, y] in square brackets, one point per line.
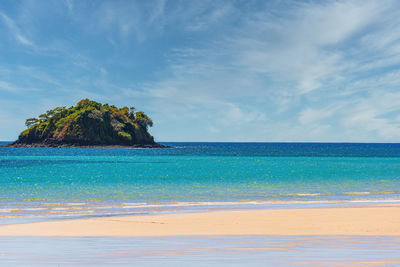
[368, 220]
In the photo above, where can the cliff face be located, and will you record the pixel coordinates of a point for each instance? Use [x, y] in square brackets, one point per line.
[88, 124]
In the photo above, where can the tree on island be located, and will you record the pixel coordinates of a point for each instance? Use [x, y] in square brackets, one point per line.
[89, 123]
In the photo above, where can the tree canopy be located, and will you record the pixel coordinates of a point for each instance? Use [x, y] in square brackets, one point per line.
[89, 123]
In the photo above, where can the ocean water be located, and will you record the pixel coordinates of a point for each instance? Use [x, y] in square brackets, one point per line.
[59, 182]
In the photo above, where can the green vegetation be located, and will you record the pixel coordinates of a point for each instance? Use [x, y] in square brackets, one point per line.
[88, 123]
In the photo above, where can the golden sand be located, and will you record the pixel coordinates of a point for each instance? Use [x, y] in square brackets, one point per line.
[369, 220]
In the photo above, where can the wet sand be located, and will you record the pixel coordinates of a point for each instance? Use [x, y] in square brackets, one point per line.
[368, 220]
[201, 251]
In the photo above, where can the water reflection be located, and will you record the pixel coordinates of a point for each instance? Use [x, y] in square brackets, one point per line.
[201, 251]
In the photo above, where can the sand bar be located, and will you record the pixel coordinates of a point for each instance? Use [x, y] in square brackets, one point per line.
[384, 220]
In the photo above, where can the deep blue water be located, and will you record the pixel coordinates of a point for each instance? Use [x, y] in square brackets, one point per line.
[34, 179]
[389, 150]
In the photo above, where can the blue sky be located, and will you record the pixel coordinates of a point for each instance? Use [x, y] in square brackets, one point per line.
[209, 70]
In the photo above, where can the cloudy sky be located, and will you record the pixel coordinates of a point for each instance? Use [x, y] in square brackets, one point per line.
[209, 70]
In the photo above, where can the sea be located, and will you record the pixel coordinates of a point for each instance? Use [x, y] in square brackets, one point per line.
[43, 183]
[38, 184]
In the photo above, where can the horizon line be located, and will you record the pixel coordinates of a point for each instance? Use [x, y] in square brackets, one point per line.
[267, 142]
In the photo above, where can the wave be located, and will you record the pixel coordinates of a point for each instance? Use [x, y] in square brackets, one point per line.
[356, 193]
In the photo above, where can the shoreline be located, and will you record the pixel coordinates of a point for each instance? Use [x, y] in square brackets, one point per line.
[366, 220]
[39, 210]
[43, 145]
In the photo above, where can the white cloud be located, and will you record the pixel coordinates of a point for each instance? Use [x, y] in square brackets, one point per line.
[309, 115]
[15, 30]
[304, 48]
[234, 114]
[203, 20]
[312, 58]
[375, 114]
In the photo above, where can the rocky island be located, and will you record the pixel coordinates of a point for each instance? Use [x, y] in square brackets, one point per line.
[88, 124]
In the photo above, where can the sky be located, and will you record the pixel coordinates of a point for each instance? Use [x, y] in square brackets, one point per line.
[240, 71]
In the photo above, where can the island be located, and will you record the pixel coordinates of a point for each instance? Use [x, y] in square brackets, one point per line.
[88, 124]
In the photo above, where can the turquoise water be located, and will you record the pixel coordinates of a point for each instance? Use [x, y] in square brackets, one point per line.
[102, 181]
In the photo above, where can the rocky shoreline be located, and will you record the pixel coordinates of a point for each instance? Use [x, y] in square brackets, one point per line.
[54, 145]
